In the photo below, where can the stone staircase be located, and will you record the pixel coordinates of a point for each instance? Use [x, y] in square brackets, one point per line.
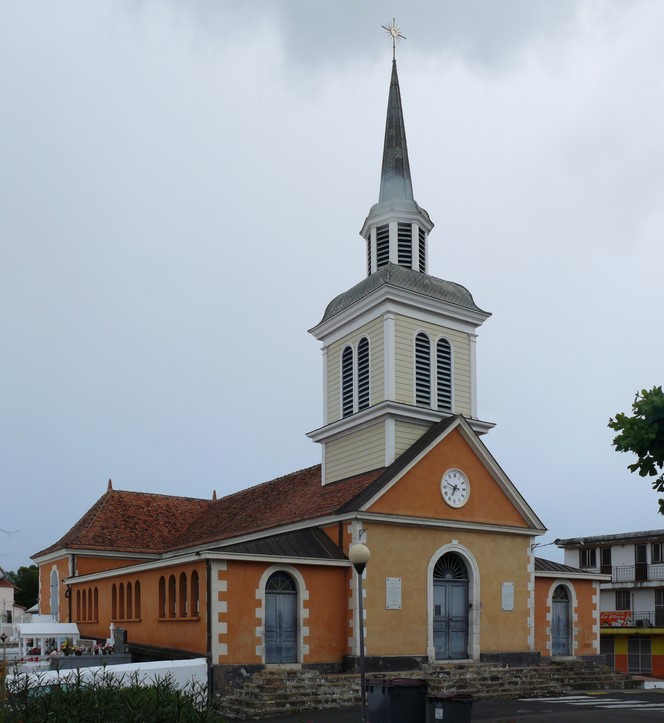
[283, 692]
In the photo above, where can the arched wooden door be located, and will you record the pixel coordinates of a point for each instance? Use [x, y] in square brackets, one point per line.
[450, 607]
[280, 619]
[560, 643]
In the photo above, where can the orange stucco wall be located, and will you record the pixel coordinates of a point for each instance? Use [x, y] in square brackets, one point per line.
[585, 611]
[405, 552]
[323, 603]
[61, 565]
[418, 491]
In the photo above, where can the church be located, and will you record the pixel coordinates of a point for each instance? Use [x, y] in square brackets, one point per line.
[262, 577]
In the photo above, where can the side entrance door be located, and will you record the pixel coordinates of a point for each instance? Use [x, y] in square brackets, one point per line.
[450, 608]
[280, 619]
[560, 644]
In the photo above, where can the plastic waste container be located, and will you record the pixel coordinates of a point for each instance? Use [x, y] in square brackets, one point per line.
[449, 707]
[397, 700]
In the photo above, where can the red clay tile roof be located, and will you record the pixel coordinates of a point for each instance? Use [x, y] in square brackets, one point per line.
[5, 583]
[293, 498]
[151, 524]
[131, 522]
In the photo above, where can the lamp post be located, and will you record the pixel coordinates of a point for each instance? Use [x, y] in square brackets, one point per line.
[359, 556]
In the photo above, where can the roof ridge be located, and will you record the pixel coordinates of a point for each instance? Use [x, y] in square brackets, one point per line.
[268, 481]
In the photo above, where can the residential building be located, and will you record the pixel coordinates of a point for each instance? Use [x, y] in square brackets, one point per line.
[631, 597]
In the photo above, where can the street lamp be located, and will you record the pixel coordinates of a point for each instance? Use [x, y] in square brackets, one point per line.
[359, 556]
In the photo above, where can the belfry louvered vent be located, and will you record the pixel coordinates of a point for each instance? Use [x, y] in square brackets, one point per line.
[422, 370]
[369, 256]
[363, 374]
[405, 244]
[444, 374]
[382, 245]
[423, 250]
[347, 382]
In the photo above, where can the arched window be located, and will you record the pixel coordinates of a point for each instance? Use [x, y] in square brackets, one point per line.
[137, 599]
[162, 597]
[79, 610]
[55, 595]
[114, 602]
[444, 374]
[183, 595]
[96, 604]
[422, 370]
[130, 602]
[89, 611]
[363, 374]
[450, 567]
[195, 603]
[121, 601]
[347, 381]
[171, 597]
[84, 606]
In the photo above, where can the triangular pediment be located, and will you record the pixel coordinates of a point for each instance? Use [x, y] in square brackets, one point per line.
[415, 489]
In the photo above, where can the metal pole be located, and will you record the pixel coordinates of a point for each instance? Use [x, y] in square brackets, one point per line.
[363, 692]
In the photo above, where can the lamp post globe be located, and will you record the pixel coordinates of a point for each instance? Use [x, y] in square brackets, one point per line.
[359, 555]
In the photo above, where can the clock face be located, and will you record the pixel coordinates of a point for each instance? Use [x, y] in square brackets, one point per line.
[455, 488]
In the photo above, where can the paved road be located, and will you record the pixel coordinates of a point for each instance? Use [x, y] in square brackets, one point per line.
[614, 706]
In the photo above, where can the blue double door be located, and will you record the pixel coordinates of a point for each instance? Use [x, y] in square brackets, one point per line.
[281, 626]
[450, 619]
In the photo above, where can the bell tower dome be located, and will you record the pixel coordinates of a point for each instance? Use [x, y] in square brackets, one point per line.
[399, 346]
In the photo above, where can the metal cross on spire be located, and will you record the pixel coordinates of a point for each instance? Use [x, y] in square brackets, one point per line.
[393, 31]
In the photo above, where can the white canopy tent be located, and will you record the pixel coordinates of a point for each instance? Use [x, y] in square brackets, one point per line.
[40, 632]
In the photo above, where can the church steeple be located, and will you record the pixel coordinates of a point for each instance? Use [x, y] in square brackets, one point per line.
[395, 182]
[396, 229]
[399, 346]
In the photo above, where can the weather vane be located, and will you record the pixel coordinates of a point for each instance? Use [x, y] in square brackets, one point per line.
[393, 31]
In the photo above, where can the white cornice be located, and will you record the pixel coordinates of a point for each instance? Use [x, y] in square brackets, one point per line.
[392, 299]
[392, 410]
[66, 551]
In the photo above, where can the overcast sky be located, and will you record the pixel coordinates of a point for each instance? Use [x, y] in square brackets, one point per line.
[181, 189]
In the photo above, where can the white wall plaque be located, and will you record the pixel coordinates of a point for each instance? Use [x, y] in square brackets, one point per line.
[393, 593]
[508, 596]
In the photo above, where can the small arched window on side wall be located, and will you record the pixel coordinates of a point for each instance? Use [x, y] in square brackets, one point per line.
[162, 597]
[130, 602]
[422, 370]
[347, 382]
[171, 597]
[182, 597]
[444, 374]
[363, 374]
[96, 604]
[195, 604]
[114, 602]
[121, 601]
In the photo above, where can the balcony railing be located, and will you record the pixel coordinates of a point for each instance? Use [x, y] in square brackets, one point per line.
[640, 572]
[632, 618]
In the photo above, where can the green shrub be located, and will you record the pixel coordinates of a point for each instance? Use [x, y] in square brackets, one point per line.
[104, 698]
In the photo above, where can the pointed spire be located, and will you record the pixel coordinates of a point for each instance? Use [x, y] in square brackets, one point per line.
[395, 180]
[110, 486]
[214, 495]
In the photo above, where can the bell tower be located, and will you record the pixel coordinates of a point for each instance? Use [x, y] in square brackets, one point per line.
[399, 346]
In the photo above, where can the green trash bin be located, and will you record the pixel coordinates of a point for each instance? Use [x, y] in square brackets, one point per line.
[396, 700]
[449, 707]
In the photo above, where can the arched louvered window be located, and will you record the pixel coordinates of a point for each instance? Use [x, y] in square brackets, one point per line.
[423, 251]
[450, 567]
[382, 245]
[363, 374]
[347, 381]
[405, 244]
[422, 370]
[444, 374]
